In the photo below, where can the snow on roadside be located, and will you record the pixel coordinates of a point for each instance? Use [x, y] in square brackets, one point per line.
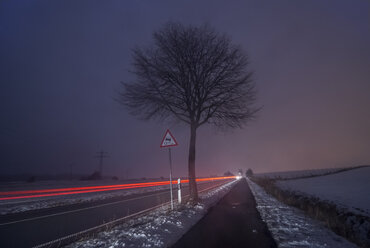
[160, 228]
[291, 228]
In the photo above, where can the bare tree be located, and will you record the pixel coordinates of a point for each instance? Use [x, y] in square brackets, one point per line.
[195, 75]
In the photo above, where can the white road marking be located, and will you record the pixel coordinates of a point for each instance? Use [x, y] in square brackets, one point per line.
[80, 209]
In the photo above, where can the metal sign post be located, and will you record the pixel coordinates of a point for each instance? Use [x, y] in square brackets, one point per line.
[169, 153]
[169, 141]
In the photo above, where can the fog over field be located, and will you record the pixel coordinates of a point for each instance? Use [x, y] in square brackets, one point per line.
[61, 64]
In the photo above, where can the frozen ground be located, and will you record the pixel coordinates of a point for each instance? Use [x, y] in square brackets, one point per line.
[291, 228]
[348, 190]
[160, 228]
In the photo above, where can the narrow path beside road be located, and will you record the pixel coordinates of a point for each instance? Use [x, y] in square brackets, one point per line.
[233, 222]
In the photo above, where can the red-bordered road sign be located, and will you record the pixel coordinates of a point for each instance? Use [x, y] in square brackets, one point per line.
[168, 140]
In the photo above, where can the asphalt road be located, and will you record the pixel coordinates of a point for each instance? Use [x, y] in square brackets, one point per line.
[38, 227]
[233, 222]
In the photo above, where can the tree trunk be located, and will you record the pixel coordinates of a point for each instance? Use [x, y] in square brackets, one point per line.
[191, 165]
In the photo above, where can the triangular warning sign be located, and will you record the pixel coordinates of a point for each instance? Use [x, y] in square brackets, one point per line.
[168, 140]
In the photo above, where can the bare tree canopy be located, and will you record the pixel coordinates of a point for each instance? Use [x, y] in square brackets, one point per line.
[195, 75]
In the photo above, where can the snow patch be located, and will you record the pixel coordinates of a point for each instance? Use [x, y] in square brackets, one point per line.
[160, 228]
[291, 228]
[348, 190]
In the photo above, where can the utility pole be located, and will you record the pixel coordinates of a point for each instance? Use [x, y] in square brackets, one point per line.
[70, 171]
[100, 155]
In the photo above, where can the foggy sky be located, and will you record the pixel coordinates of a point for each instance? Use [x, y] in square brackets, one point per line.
[61, 64]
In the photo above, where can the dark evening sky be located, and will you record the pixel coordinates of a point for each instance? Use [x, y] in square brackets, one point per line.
[61, 63]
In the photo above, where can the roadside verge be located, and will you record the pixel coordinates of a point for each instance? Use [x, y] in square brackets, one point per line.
[354, 227]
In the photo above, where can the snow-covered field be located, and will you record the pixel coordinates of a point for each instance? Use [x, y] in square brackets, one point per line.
[160, 228]
[349, 190]
[298, 173]
[291, 228]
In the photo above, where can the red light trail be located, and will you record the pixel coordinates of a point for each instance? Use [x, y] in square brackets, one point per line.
[9, 195]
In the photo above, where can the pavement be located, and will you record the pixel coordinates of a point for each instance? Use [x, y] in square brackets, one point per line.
[233, 222]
